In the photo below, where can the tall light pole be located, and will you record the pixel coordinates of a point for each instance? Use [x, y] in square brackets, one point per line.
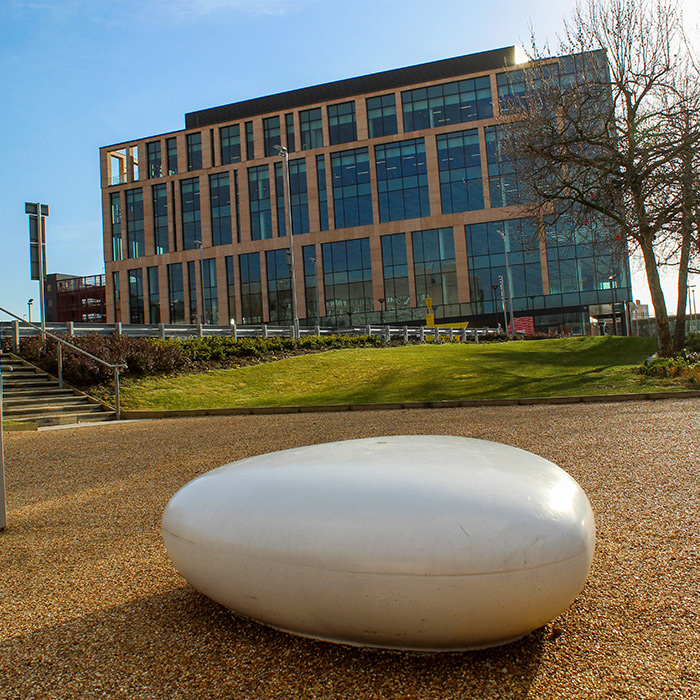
[693, 308]
[284, 154]
[198, 244]
[510, 284]
[29, 309]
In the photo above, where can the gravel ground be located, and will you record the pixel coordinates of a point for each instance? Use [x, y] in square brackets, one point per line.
[90, 606]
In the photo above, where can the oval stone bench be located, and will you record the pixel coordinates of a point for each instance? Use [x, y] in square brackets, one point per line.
[411, 542]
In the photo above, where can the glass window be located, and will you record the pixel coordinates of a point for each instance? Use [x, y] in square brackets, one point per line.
[352, 189]
[238, 205]
[434, 267]
[155, 166]
[230, 289]
[279, 199]
[171, 145]
[211, 297]
[459, 163]
[322, 192]
[450, 103]
[381, 116]
[279, 288]
[192, 291]
[271, 135]
[249, 141]
[395, 269]
[311, 284]
[116, 225]
[135, 235]
[347, 280]
[160, 218]
[311, 126]
[191, 215]
[230, 137]
[116, 296]
[341, 123]
[153, 295]
[289, 128]
[135, 296]
[220, 201]
[260, 204]
[251, 289]
[503, 186]
[402, 180]
[194, 151]
[298, 194]
[176, 293]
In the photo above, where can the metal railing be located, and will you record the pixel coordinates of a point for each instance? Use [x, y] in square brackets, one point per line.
[61, 342]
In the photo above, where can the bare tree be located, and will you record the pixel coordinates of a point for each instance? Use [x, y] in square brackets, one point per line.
[607, 136]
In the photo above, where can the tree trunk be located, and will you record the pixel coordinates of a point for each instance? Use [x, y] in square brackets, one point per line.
[665, 342]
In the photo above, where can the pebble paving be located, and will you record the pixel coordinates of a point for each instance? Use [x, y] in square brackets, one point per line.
[90, 606]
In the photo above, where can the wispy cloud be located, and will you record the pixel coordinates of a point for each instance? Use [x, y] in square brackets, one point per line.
[216, 7]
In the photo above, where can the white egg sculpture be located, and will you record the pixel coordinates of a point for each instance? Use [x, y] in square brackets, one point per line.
[410, 542]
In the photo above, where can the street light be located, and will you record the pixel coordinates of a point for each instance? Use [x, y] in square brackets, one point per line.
[693, 309]
[284, 154]
[510, 284]
[198, 244]
[382, 303]
[29, 309]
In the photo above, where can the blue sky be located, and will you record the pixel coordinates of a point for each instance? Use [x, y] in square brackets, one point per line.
[76, 75]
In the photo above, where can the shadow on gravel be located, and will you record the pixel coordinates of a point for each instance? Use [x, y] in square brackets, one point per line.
[182, 645]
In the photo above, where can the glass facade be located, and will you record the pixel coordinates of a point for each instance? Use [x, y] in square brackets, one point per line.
[347, 281]
[402, 180]
[272, 135]
[397, 300]
[503, 186]
[260, 204]
[450, 103]
[289, 129]
[192, 292]
[115, 207]
[352, 189]
[341, 123]
[251, 288]
[191, 214]
[135, 296]
[160, 218]
[249, 141]
[435, 269]
[211, 298]
[311, 127]
[322, 192]
[230, 141]
[194, 151]
[220, 202]
[116, 294]
[230, 289]
[279, 288]
[459, 163]
[381, 116]
[135, 232]
[311, 283]
[153, 295]
[279, 200]
[176, 293]
[155, 165]
[171, 146]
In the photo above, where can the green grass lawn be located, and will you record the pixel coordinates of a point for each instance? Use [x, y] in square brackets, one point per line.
[558, 367]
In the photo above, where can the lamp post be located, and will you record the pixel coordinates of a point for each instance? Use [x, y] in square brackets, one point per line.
[198, 244]
[510, 284]
[382, 303]
[284, 154]
[318, 308]
[693, 308]
[495, 288]
[29, 309]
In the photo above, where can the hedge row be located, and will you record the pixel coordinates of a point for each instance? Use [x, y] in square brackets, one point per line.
[684, 365]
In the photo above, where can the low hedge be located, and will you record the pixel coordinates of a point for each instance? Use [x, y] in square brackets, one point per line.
[684, 365]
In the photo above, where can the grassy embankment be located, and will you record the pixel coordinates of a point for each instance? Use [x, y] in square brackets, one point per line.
[558, 367]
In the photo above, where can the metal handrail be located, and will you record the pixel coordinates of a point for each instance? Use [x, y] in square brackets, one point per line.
[115, 368]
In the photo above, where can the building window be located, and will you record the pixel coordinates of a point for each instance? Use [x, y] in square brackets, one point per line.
[279, 288]
[176, 293]
[211, 296]
[116, 225]
[135, 235]
[272, 136]
[249, 141]
[341, 123]
[459, 163]
[116, 296]
[160, 218]
[251, 288]
[279, 199]
[153, 295]
[352, 188]
[511, 89]
[194, 151]
[230, 137]
[322, 192]
[230, 289]
[451, 103]
[402, 180]
[486, 257]
[191, 215]
[347, 277]
[192, 291]
[238, 205]
[260, 205]
[381, 116]
[289, 128]
[503, 186]
[220, 201]
[155, 166]
[311, 126]
[395, 268]
[434, 267]
[135, 296]
[311, 283]
[298, 194]
[171, 145]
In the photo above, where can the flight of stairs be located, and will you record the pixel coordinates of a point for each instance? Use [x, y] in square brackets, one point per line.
[32, 395]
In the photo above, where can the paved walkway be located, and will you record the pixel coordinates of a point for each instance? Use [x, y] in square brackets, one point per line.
[91, 606]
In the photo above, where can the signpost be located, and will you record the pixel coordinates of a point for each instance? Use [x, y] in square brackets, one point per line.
[37, 252]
